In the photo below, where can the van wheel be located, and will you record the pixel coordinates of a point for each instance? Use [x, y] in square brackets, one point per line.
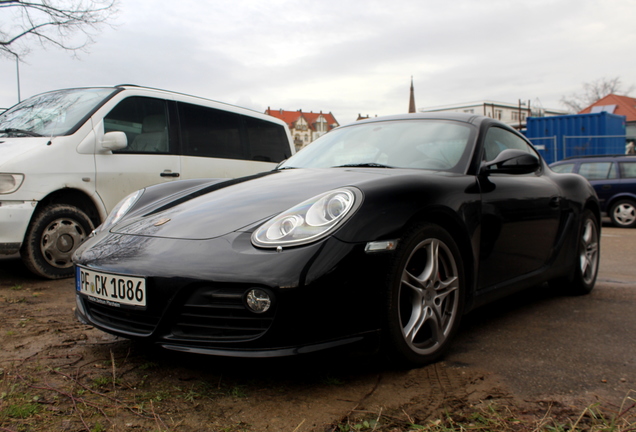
[53, 235]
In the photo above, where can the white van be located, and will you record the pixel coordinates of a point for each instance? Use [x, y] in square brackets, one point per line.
[68, 156]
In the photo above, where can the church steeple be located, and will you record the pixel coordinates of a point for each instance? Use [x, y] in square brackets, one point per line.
[412, 99]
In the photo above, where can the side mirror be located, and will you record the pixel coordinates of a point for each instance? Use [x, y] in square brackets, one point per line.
[512, 161]
[114, 140]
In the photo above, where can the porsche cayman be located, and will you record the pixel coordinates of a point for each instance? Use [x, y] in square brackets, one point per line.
[385, 231]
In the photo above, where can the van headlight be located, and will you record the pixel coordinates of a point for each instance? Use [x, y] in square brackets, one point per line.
[308, 221]
[120, 210]
[10, 183]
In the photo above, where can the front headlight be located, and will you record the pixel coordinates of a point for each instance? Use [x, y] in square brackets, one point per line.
[10, 183]
[120, 210]
[309, 221]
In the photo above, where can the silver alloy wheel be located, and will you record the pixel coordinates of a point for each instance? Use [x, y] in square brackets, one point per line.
[429, 296]
[624, 213]
[588, 251]
[59, 240]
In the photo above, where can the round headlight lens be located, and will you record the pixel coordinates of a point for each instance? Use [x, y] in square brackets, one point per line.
[329, 208]
[283, 227]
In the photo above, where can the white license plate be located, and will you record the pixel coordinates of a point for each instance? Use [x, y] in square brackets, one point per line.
[111, 289]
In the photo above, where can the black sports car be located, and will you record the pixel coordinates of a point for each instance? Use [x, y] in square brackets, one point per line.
[384, 231]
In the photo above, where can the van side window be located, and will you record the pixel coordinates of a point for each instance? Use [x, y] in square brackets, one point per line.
[209, 132]
[267, 141]
[144, 122]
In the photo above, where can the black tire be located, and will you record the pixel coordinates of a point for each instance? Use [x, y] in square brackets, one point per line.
[426, 291]
[52, 237]
[623, 213]
[588, 253]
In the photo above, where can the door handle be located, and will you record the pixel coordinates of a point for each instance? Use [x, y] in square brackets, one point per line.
[169, 174]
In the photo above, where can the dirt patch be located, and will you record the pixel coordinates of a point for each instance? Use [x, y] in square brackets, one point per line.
[57, 374]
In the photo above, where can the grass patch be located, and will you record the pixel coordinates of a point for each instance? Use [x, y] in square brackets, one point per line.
[20, 410]
[496, 418]
[16, 405]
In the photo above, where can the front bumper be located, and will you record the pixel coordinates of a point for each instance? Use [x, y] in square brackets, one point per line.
[14, 220]
[325, 294]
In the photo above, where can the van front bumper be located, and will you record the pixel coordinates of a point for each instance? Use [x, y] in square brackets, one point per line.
[14, 220]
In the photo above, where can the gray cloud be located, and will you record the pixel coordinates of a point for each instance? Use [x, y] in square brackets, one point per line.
[349, 57]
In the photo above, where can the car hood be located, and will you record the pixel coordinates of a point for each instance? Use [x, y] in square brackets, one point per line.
[11, 148]
[240, 204]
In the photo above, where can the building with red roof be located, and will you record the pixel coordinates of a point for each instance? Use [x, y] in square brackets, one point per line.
[305, 127]
[620, 105]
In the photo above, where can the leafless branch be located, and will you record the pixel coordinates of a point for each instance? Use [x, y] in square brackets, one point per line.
[592, 92]
[66, 24]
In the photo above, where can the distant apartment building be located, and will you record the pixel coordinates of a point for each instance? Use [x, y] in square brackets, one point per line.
[305, 127]
[512, 114]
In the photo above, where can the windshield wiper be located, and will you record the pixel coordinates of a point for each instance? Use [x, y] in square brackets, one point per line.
[363, 165]
[20, 131]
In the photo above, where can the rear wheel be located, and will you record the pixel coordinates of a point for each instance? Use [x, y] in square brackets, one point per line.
[53, 235]
[426, 296]
[587, 258]
[623, 213]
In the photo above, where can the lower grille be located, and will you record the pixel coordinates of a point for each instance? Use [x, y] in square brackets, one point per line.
[122, 319]
[219, 314]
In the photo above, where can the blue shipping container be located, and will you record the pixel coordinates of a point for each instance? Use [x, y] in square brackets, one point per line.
[561, 137]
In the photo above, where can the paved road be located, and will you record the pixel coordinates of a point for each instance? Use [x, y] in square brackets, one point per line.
[542, 345]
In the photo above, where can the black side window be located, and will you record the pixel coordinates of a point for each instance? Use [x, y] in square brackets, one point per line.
[498, 140]
[144, 121]
[208, 132]
[267, 141]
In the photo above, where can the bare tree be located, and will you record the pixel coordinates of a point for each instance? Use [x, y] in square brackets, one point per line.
[53, 22]
[593, 91]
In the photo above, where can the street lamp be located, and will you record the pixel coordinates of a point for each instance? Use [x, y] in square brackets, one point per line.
[17, 70]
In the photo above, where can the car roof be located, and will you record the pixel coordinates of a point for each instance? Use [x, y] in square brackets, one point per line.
[454, 116]
[575, 159]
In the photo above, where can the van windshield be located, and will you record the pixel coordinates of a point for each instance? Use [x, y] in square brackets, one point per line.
[52, 114]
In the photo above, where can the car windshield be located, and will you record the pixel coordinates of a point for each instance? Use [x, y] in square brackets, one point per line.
[51, 114]
[423, 143]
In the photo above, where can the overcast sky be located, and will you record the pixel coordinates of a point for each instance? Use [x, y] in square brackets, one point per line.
[348, 57]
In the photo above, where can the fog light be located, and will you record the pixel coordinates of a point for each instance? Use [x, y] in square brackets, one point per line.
[258, 300]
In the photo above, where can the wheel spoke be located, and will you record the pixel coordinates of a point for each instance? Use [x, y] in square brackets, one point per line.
[418, 318]
[446, 289]
[412, 281]
[431, 270]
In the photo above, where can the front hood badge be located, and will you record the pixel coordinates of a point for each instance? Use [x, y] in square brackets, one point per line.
[162, 222]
